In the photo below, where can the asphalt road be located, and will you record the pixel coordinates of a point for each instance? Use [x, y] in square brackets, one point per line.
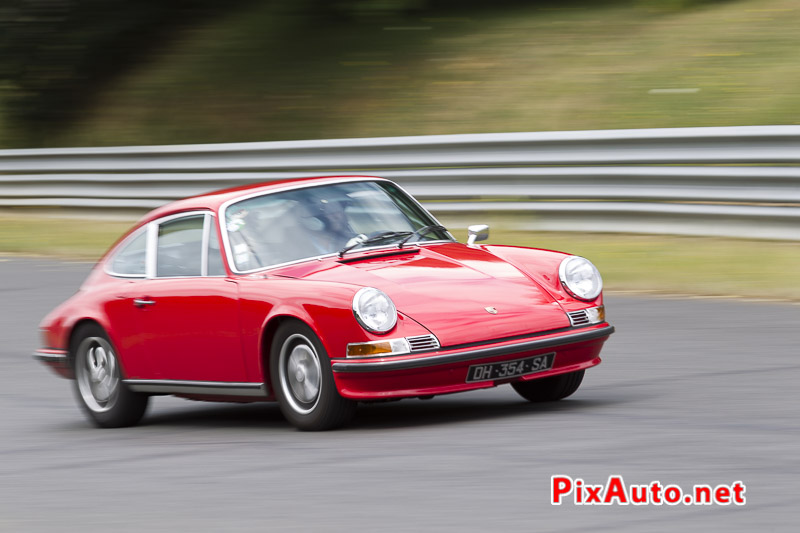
[690, 391]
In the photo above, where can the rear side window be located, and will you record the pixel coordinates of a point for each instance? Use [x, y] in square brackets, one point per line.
[130, 260]
[179, 250]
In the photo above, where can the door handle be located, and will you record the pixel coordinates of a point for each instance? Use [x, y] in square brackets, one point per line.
[141, 302]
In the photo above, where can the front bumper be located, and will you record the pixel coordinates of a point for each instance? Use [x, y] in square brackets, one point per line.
[445, 371]
[57, 360]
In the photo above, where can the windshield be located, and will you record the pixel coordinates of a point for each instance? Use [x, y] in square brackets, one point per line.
[301, 223]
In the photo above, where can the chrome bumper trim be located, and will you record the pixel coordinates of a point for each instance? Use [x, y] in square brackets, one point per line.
[211, 388]
[470, 355]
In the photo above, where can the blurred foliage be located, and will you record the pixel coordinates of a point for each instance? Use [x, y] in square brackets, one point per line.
[372, 7]
[106, 72]
[56, 55]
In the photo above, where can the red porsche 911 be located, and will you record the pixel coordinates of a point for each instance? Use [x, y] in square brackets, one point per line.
[318, 294]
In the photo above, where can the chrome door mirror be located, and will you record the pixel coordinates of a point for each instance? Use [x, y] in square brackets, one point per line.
[477, 232]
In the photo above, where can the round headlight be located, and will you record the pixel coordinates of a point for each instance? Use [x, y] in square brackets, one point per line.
[580, 277]
[374, 310]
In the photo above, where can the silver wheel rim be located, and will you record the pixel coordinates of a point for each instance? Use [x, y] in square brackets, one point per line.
[300, 373]
[97, 373]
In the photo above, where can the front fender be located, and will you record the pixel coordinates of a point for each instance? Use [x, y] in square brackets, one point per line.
[542, 267]
[326, 307]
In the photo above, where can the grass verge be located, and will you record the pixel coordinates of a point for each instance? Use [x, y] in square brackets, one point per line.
[643, 263]
[59, 237]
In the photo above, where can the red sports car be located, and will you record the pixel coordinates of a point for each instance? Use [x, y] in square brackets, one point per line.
[319, 293]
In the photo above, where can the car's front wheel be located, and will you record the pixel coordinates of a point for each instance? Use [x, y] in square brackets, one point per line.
[98, 381]
[549, 389]
[302, 379]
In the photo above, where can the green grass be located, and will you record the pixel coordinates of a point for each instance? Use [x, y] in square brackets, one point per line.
[270, 72]
[643, 263]
[59, 237]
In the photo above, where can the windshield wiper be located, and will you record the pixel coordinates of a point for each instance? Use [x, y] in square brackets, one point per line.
[421, 232]
[375, 238]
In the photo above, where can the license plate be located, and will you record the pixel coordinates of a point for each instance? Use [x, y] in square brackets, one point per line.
[511, 369]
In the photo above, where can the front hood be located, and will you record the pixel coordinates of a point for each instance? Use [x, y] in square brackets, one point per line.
[450, 289]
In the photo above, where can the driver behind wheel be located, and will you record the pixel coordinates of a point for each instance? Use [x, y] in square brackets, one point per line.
[327, 224]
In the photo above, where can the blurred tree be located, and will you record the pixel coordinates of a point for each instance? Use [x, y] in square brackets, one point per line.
[362, 7]
[56, 55]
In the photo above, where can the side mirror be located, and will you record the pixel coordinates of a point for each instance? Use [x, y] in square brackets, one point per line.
[478, 232]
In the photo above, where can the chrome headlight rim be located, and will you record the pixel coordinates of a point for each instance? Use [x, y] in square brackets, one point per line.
[570, 288]
[359, 300]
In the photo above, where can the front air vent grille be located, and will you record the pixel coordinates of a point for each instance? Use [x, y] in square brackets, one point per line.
[423, 342]
[578, 318]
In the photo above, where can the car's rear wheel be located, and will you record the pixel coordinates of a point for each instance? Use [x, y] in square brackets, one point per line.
[302, 379]
[98, 381]
[549, 389]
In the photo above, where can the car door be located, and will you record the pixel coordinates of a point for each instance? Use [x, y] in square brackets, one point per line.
[127, 270]
[187, 308]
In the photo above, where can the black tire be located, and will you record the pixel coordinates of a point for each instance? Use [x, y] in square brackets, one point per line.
[549, 389]
[99, 385]
[302, 379]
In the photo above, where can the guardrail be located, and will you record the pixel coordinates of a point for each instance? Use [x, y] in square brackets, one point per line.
[738, 181]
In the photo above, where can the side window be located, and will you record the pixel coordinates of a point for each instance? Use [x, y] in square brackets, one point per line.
[215, 266]
[179, 248]
[130, 259]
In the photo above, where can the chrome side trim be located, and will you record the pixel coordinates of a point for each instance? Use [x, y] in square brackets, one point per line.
[51, 356]
[470, 355]
[211, 388]
[204, 245]
[152, 249]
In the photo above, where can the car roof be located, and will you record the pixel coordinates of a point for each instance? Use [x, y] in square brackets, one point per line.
[214, 200]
